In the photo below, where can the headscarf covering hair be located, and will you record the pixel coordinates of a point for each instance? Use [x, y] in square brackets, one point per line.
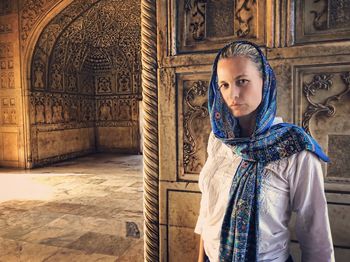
[240, 229]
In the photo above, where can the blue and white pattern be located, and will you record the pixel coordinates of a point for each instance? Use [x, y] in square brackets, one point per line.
[239, 232]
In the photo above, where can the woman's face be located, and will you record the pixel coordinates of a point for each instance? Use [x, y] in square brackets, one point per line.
[240, 85]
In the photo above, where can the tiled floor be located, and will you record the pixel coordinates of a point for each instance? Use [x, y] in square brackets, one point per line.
[86, 209]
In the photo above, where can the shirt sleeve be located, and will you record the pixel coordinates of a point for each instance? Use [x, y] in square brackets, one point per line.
[201, 184]
[309, 202]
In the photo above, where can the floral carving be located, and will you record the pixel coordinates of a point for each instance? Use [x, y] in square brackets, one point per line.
[198, 88]
[31, 10]
[320, 14]
[245, 15]
[322, 81]
[196, 16]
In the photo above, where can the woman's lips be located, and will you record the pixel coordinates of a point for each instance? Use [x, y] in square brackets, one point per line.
[236, 105]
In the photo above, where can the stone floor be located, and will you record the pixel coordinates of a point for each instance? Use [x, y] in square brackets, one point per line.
[86, 209]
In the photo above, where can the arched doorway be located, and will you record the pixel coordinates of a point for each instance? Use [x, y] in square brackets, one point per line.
[85, 82]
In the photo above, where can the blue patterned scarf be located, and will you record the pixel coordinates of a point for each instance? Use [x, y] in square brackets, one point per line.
[239, 232]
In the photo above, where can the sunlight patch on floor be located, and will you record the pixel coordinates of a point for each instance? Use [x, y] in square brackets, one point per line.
[23, 187]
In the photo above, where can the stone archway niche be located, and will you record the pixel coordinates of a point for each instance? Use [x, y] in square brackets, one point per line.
[85, 82]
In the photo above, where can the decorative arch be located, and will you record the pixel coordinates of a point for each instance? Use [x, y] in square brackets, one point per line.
[61, 81]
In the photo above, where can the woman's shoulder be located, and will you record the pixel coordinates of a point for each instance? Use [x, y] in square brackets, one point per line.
[216, 148]
[294, 162]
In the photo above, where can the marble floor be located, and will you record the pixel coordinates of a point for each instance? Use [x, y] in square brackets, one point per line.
[86, 209]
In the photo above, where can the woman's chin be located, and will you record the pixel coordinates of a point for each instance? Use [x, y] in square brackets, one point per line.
[242, 114]
[238, 113]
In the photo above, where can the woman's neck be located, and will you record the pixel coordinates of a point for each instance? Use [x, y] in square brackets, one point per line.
[247, 124]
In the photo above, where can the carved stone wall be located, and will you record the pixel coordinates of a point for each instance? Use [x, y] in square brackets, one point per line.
[307, 44]
[11, 125]
[85, 75]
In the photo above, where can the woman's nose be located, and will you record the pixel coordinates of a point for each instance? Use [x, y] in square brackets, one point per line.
[234, 91]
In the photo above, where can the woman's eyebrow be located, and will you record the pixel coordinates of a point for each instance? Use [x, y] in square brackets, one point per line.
[239, 76]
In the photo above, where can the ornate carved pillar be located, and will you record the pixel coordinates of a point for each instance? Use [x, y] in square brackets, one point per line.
[150, 151]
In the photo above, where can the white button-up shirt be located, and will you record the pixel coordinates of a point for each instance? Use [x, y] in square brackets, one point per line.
[290, 184]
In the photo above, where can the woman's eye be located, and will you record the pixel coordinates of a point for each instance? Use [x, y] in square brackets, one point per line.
[242, 82]
[224, 86]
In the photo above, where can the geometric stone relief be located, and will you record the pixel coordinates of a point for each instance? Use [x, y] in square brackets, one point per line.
[3, 80]
[38, 76]
[6, 50]
[322, 20]
[86, 83]
[5, 28]
[206, 23]
[124, 110]
[323, 102]
[71, 82]
[194, 125]
[124, 81]
[104, 110]
[7, 79]
[119, 110]
[8, 111]
[57, 110]
[60, 108]
[11, 79]
[103, 84]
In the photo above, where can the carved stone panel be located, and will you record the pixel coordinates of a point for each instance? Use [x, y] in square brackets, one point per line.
[194, 125]
[207, 24]
[103, 84]
[322, 20]
[7, 79]
[5, 27]
[31, 10]
[8, 111]
[323, 94]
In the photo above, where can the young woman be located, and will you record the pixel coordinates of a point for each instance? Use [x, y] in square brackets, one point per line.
[259, 170]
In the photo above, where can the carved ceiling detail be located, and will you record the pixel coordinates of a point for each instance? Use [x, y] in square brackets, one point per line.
[85, 51]
[30, 13]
